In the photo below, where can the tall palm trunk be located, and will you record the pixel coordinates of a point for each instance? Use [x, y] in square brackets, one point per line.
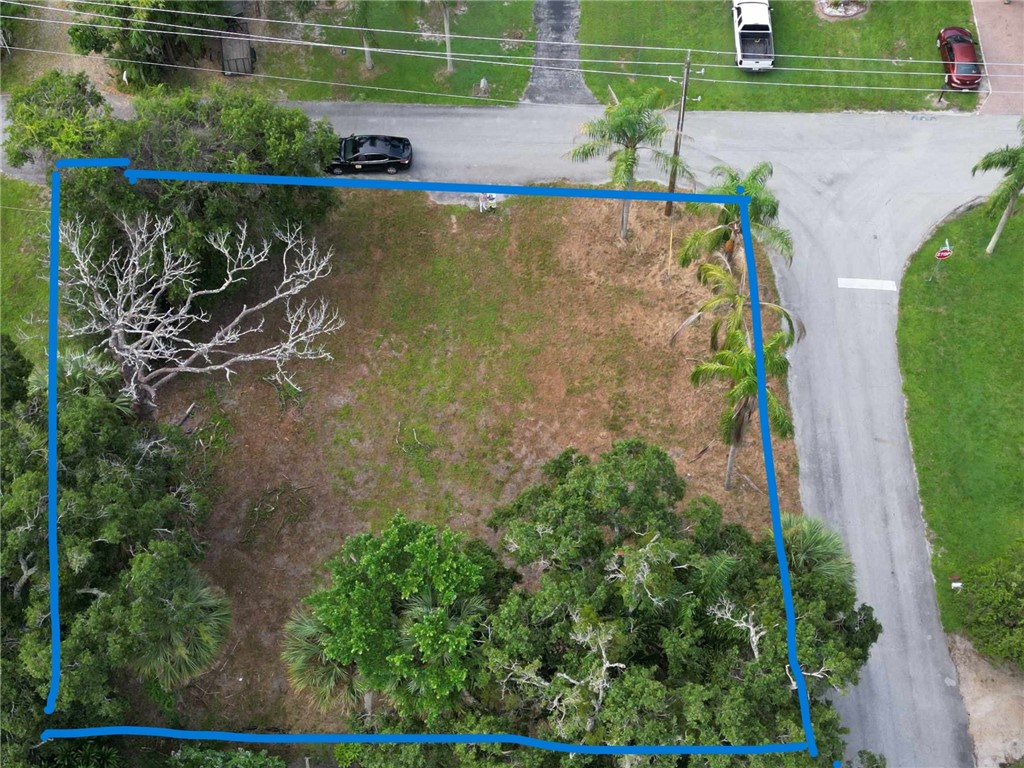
[1002, 223]
[744, 412]
[624, 223]
[729, 465]
[367, 56]
[446, 14]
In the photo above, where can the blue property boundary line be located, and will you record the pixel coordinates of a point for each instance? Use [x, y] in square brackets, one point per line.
[424, 738]
[134, 176]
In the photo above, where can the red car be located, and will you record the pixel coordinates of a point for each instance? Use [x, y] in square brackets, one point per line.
[960, 58]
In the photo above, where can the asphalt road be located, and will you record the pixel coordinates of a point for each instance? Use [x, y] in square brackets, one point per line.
[860, 192]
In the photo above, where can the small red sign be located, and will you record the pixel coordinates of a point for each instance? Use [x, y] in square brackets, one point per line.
[943, 253]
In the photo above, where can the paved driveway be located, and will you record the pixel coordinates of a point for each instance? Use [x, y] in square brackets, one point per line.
[1001, 34]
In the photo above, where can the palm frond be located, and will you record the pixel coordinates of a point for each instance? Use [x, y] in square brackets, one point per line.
[709, 370]
[685, 324]
[624, 169]
[776, 238]
[758, 175]
[699, 243]
[715, 572]
[588, 150]
[308, 667]
[812, 547]
[1002, 159]
[778, 417]
[183, 651]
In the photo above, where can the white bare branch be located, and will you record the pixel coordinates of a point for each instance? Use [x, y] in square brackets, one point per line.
[129, 298]
[725, 610]
[824, 673]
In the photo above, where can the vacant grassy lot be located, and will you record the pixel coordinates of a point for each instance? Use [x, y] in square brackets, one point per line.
[477, 346]
[326, 64]
[961, 343]
[891, 31]
[24, 226]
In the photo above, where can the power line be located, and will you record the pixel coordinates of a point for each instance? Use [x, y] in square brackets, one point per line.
[27, 210]
[471, 58]
[290, 79]
[437, 93]
[681, 50]
[212, 34]
[467, 59]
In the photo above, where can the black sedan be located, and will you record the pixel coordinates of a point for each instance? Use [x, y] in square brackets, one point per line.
[359, 154]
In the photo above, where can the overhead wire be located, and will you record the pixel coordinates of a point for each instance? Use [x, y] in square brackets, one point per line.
[471, 58]
[455, 36]
[464, 57]
[512, 102]
[263, 76]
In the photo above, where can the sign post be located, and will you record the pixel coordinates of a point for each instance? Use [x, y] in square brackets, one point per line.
[940, 256]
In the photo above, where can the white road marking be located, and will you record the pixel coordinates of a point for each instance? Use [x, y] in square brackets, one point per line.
[867, 285]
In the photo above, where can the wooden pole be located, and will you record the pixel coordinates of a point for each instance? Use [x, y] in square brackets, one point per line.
[679, 132]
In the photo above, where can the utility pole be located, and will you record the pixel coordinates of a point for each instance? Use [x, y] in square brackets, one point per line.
[679, 132]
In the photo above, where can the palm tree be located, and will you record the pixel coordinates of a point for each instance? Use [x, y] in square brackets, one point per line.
[309, 668]
[728, 306]
[464, 611]
[810, 546]
[727, 233]
[446, 19]
[1010, 160]
[361, 14]
[632, 125]
[446, 623]
[735, 363]
[446, 15]
[87, 372]
[187, 632]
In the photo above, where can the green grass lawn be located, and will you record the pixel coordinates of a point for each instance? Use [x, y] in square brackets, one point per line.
[485, 18]
[23, 244]
[903, 30]
[961, 346]
[454, 334]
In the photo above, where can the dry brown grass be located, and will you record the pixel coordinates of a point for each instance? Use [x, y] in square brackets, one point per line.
[477, 347]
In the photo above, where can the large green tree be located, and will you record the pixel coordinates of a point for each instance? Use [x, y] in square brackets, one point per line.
[218, 131]
[628, 128]
[1009, 160]
[57, 115]
[123, 490]
[190, 756]
[177, 621]
[140, 37]
[405, 609]
[14, 372]
[642, 623]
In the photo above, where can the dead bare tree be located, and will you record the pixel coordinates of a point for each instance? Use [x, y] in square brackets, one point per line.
[725, 610]
[123, 298]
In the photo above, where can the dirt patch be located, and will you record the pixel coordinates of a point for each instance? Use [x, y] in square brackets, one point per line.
[839, 11]
[477, 347]
[994, 698]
